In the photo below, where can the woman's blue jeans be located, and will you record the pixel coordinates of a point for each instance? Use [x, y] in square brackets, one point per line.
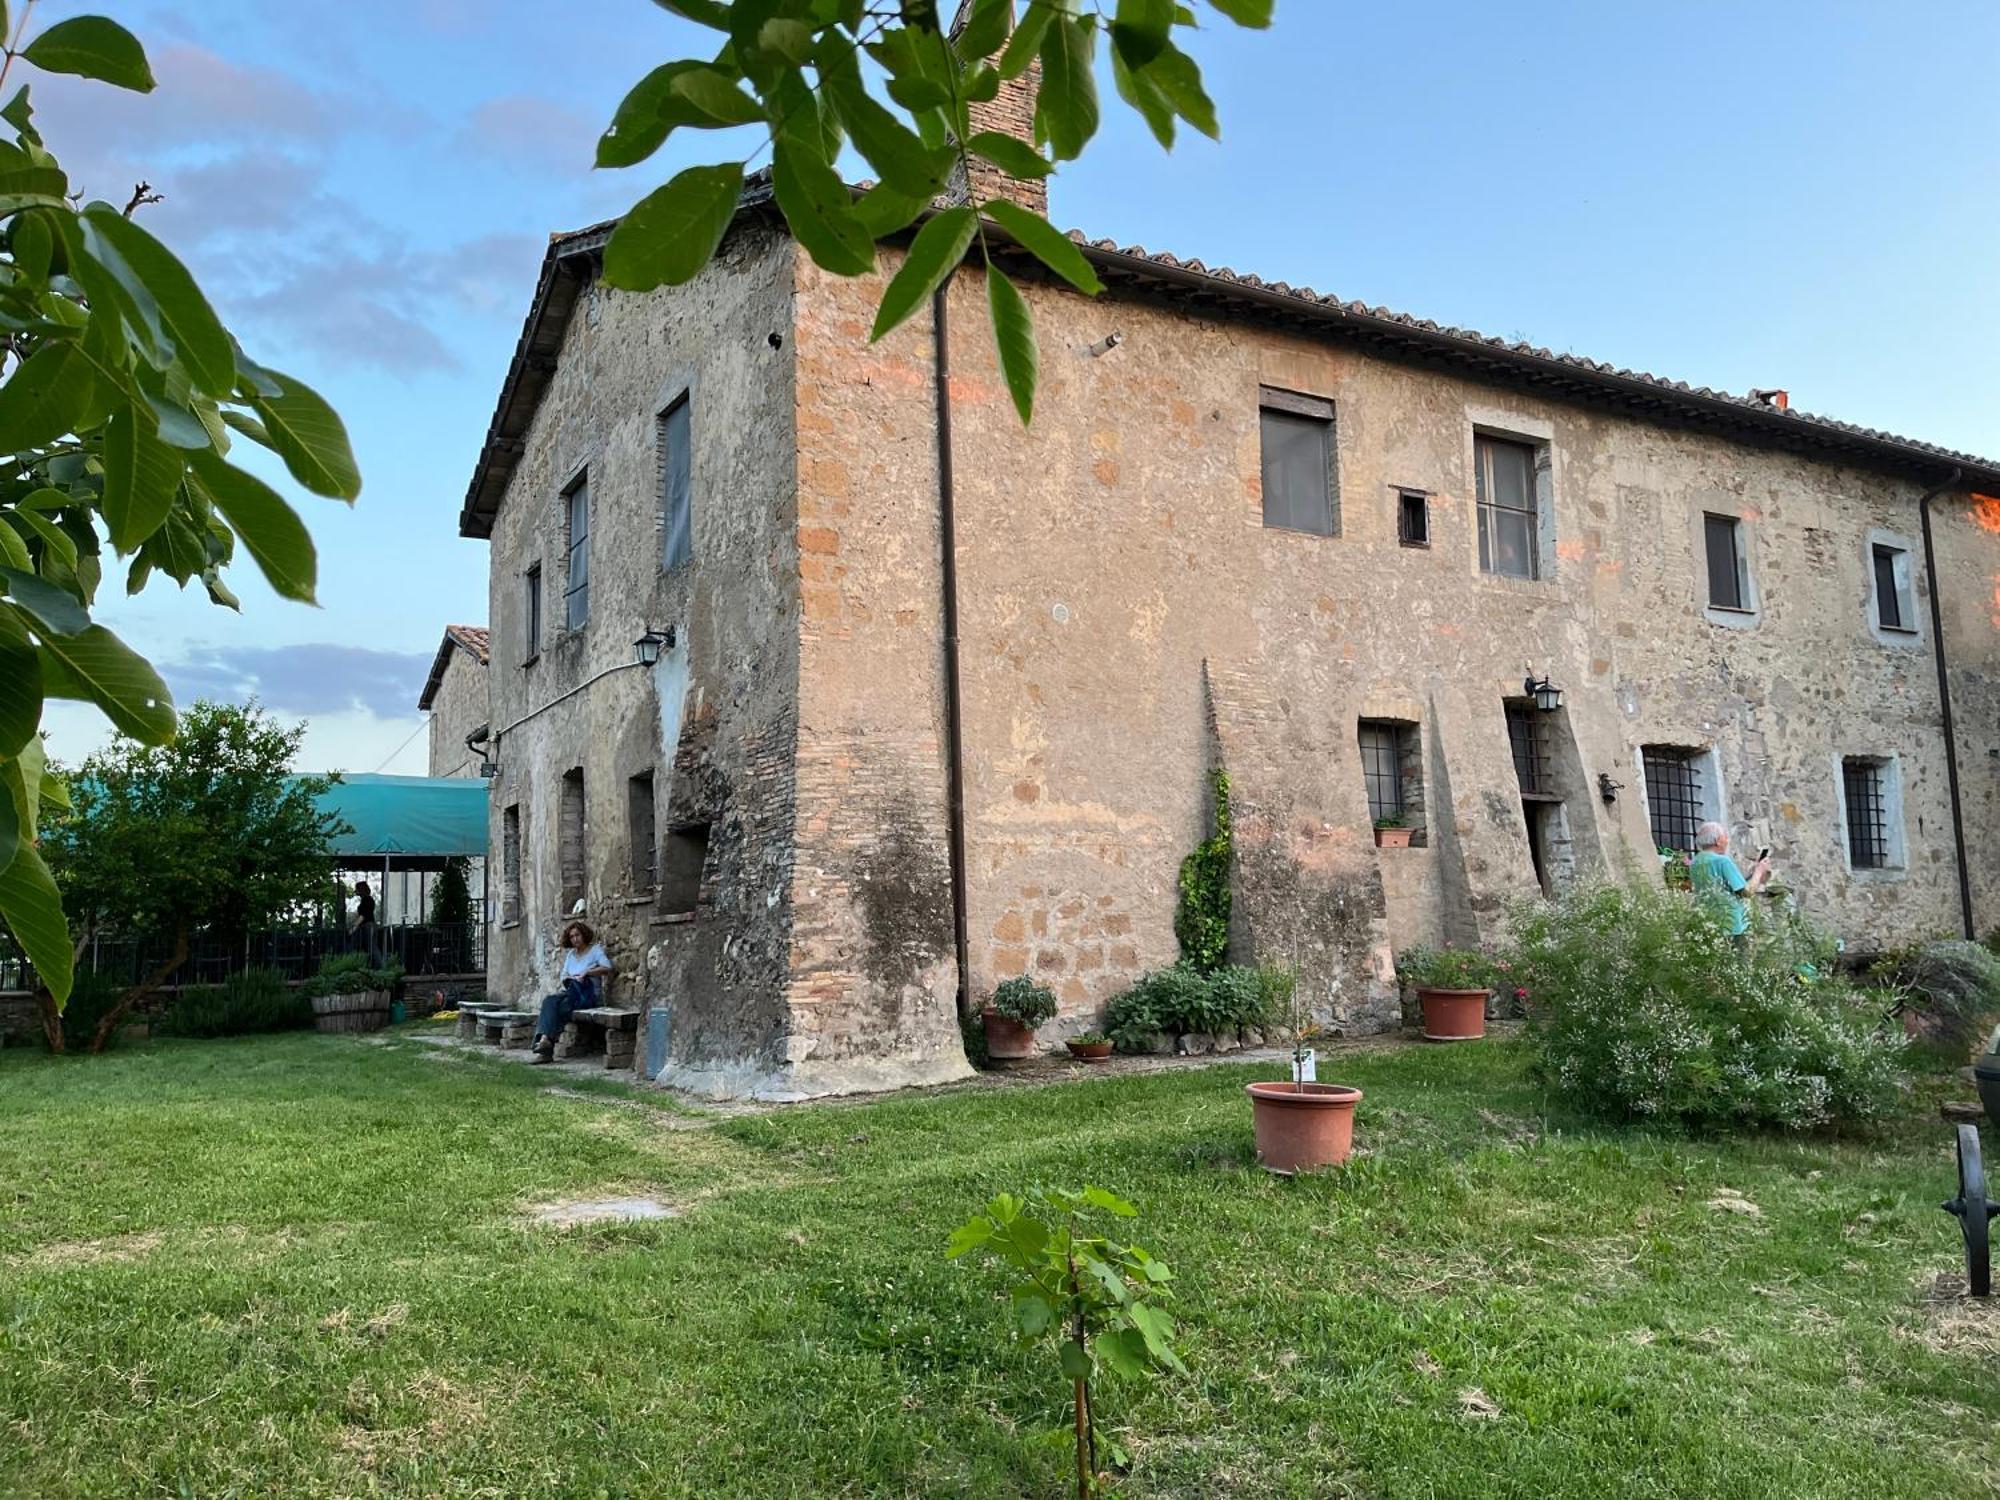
[577, 994]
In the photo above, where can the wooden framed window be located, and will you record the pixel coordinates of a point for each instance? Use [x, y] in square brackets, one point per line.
[1296, 440]
[531, 614]
[1413, 518]
[576, 552]
[1510, 528]
[1728, 570]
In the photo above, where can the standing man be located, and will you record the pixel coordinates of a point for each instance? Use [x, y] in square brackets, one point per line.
[1719, 885]
[364, 919]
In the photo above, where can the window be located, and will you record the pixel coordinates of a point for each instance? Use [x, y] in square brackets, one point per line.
[1413, 518]
[639, 830]
[1865, 797]
[1676, 797]
[1392, 771]
[1529, 744]
[1510, 534]
[576, 553]
[1892, 588]
[1728, 575]
[1298, 456]
[510, 864]
[531, 646]
[680, 873]
[675, 438]
[569, 834]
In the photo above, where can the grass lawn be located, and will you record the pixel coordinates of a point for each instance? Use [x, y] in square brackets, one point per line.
[299, 1266]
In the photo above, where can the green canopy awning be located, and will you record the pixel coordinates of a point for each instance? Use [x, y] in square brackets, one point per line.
[410, 819]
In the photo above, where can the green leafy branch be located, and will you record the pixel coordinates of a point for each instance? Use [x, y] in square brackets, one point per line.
[795, 66]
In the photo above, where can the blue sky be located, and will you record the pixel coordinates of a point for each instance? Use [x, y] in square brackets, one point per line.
[1734, 195]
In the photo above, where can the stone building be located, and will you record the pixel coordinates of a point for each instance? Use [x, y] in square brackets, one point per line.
[456, 697]
[938, 697]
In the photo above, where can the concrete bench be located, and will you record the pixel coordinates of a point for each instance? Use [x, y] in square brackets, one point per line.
[603, 1028]
[469, 1017]
[510, 1028]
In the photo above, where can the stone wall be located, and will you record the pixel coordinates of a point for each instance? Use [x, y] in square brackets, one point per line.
[1113, 560]
[461, 706]
[713, 723]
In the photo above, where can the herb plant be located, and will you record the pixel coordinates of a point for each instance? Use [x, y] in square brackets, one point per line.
[1021, 999]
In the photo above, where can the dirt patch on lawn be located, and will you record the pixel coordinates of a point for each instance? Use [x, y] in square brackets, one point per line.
[569, 1213]
[67, 1253]
[1951, 1322]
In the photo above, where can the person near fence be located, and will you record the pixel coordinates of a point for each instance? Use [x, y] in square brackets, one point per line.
[364, 919]
[583, 967]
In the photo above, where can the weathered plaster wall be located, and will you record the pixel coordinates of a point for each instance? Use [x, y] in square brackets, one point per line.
[725, 340]
[461, 706]
[1115, 550]
[1967, 533]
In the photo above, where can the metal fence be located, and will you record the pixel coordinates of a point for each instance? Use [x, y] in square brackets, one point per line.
[295, 952]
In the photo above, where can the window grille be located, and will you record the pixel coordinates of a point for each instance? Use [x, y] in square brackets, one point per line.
[576, 549]
[1531, 760]
[1867, 814]
[1382, 769]
[1674, 801]
[1510, 538]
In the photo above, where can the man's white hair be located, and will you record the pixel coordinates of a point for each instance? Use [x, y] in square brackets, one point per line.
[1709, 835]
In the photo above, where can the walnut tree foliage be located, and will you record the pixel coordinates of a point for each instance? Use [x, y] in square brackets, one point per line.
[796, 69]
[121, 398]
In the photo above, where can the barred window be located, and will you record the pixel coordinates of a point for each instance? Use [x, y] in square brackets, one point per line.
[1382, 768]
[1675, 800]
[1863, 784]
[1529, 744]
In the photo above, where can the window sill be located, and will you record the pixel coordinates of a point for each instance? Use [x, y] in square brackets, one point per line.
[1414, 546]
[646, 900]
[1323, 536]
[1908, 630]
[1732, 609]
[674, 919]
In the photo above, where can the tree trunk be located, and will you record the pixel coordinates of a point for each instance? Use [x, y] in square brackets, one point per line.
[1083, 1474]
[139, 991]
[52, 1021]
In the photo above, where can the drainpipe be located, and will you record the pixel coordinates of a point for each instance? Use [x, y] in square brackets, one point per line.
[954, 724]
[1944, 700]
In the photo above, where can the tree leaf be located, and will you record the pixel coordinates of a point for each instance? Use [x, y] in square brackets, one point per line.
[671, 233]
[985, 29]
[266, 525]
[792, 40]
[46, 398]
[12, 799]
[1013, 340]
[14, 551]
[1066, 112]
[889, 145]
[1076, 1361]
[92, 47]
[1255, 14]
[96, 667]
[1123, 1352]
[1139, 91]
[20, 684]
[308, 435]
[1032, 1313]
[715, 97]
[1110, 1202]
[1046, 243]
[53, 537]
[1010, 154]
[881, 211]
[1027, 39]
[1178, 80]
[933, 255]
[141, 474]
[1141, 29]
[820, 211]
[199, 338]
[32, 910]
[714, 14]
[178, 427]
[58, 611]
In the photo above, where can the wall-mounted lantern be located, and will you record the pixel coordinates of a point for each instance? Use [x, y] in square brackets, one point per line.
[476, 742]
[646, 650]
[1548, 697]
[1607, 788]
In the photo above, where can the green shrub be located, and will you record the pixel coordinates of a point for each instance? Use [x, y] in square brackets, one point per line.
[1640, 1006]
[350, 974]
[90, 1001]
[1021, 999]
[1445, 969]
[1201, 919]
[1953, 986]
[255, 1001]
[1172, 1001]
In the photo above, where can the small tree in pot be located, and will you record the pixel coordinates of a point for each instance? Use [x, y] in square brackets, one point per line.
[1018, 1006]
[1453, 986]
[1298, 1124]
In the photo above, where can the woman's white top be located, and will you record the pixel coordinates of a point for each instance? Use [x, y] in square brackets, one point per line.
[575, 964]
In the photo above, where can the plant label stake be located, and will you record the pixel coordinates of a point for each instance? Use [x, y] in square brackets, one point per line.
[1305, 1066]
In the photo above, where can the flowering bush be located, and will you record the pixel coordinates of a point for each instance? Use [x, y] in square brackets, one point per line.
[1641, 1006]
[1446, 969]
[1676, 868]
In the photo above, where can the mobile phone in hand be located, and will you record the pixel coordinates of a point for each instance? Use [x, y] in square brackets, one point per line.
[1763, 854]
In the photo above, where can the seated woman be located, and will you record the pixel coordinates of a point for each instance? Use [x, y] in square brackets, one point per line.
[583, 962]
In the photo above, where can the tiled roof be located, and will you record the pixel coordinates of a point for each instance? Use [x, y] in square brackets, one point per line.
[1379, 330]
[471, 639]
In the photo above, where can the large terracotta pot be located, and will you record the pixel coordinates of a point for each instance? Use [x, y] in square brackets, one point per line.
[1986, 1076]
[1302, 1126]
[1393, 838]
[1453, 1015]
[1007, 1040]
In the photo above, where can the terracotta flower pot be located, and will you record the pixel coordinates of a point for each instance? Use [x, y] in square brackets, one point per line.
[1302, 1126]
[1453, 1015]
[1393, 838]
[1090, 1052]
[1007, 1040]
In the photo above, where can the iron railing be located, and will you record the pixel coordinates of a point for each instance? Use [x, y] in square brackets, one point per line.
[295, 952]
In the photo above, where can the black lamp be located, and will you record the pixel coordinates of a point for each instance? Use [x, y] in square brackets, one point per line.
[1548, 697]
[646, 650]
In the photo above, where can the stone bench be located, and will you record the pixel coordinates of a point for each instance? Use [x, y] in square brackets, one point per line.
[601, 1027]
[510, 1028]
[469, 1017]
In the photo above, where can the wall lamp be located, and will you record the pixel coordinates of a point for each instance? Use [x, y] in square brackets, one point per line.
[646, 650]
[1548, 697]
[476, 742]
[1607, 788]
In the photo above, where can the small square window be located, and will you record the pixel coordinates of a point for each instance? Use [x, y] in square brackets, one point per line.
[1297, 446]
[1413, 518]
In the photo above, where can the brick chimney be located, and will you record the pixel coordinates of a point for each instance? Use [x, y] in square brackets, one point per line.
[1011, 112]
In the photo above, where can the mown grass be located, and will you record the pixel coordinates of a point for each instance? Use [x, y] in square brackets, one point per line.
[299, 1265]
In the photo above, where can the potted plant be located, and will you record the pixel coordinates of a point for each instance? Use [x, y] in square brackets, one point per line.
[1392, 831]
[1091, 1047]
[348, 995]
[1302, 1123]
[1018, 1006]
[1453, 986]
